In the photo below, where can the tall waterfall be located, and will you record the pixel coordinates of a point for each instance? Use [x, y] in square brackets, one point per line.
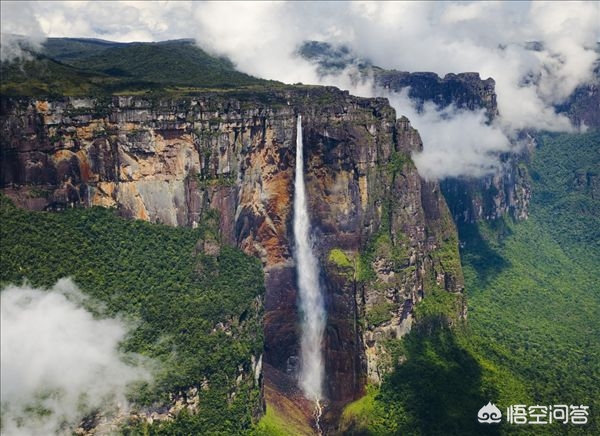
[312, 309]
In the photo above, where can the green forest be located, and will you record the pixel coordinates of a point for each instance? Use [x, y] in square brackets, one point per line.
[533, 331]
[160, 278]
[88, 67]
[532, 336]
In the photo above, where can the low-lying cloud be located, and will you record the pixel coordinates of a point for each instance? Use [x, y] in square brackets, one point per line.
[59, 362]
[537, 52]
[458, 142]
[20, 35]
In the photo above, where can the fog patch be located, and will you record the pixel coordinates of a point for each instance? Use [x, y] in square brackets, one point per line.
[537, 52]
[456, 142]
[21, 32]
[59, 362]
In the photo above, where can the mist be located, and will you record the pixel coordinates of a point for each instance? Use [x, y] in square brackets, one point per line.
[458, 142]
[537, 52]
[58, 361]
[494, 39]
[21, 35]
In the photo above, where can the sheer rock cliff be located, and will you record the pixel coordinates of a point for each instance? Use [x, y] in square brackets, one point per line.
[385, 237]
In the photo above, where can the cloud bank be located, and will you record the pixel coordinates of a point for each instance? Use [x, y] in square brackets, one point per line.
[537, 52]
[58, 362]
[21, 32]
[446, 130]
[495, 39]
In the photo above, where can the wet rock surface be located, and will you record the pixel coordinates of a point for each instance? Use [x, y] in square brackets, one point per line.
[175, 160]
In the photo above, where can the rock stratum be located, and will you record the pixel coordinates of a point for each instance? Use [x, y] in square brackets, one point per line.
[507, 191]
[384, 237]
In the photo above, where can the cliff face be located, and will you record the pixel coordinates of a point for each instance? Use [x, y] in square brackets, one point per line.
[506, 192]
[583, 106]
[465, 90]
[384, 237]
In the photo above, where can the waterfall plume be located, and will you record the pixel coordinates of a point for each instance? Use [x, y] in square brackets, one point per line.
[312, 308]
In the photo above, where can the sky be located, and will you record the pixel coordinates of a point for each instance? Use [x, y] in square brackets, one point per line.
[262, 38]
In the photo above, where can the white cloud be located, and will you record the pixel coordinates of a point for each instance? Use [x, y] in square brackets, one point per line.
[56, 356]
[22, 23]
[458, 142]
[489, 38]
[261, 38]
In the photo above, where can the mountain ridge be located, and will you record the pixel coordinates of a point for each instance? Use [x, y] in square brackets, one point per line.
[181, 154]
[99, 67]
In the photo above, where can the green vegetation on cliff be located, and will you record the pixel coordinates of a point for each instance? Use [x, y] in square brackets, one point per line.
[198, 315]
[533, 331]
[535, 288]
[87, 67]
[339, 258]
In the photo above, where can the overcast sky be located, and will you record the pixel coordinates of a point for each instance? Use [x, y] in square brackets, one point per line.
[262, 38]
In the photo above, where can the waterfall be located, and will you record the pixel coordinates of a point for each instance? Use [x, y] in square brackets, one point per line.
[312, 309]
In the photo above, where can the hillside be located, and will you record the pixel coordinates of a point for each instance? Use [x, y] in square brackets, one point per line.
[532, 335]
[168, 134]
[180, 161]
[84, 67]
[535, 301]
[161, 278]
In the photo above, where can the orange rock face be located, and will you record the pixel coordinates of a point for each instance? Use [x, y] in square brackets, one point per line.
[173, 161]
